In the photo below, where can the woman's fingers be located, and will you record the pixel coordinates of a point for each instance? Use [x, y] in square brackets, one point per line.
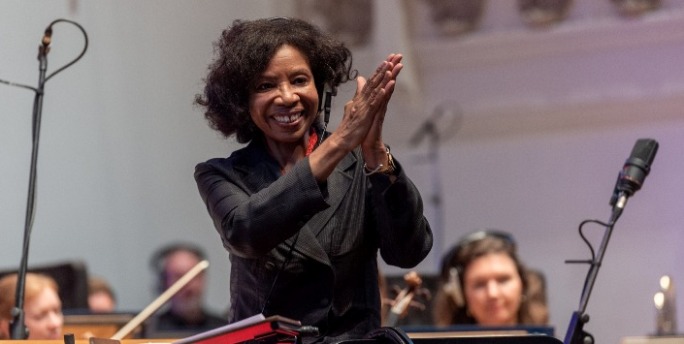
[360, 83]
[365, 112]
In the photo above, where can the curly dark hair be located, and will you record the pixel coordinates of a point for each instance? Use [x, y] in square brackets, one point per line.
[243, 53]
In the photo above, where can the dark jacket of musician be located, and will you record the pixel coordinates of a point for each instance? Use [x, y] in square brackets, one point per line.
[308, 251]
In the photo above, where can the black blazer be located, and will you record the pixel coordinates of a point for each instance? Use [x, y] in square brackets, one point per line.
[308, 251]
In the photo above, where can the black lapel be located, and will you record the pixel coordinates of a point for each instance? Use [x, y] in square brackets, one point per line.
[339, 183]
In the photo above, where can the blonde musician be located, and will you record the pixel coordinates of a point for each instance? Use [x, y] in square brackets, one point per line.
[42, 306]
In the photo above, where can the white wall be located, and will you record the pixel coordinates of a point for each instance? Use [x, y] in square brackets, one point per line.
[547, 119]
[119, 137]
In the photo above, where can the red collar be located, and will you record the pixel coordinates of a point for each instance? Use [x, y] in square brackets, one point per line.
[313, 138]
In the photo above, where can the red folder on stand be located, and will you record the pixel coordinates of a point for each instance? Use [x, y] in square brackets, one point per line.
[274, 329]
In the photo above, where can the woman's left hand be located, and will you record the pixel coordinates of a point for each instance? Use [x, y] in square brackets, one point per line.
[374, 151]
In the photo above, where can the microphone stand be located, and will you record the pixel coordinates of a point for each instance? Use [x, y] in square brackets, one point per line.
[433, 156]
[576, 333]
[629, 180]
[436, 133]
[429, 129]
[18, 328]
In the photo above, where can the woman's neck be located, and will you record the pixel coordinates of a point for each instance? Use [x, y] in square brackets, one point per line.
[286, 154]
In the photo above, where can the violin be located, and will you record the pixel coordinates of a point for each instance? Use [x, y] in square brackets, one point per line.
[406, 298]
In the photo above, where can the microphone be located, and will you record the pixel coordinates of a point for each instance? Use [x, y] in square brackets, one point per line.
[445, 119]
[327, 102]
[44, 48]
[634, 172]
[47, 37]
[428, 128]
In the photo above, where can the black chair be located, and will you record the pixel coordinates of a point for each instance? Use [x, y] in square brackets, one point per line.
[71, 278]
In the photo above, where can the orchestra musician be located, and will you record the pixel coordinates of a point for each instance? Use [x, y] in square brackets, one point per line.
[186, 313]
[101, 297]
[42, 306]
[484, 282]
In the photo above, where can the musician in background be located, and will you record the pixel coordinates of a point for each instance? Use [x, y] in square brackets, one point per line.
[186, 313]
[101, 298]
[304, 212]
[42, 307]
[484, 282]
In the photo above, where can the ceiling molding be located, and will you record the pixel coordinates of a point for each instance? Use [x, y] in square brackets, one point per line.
[486, 49]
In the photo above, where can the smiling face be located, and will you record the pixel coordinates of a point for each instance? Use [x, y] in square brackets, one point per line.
[284, 101]
[493, 289]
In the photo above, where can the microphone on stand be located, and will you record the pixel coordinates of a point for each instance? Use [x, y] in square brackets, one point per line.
[634, 172]
[443, 123]
[629, 181]
[428, 128]
[17, 328]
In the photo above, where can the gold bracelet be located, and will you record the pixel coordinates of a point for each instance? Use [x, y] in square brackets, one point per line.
[391, 167]
[381, 168]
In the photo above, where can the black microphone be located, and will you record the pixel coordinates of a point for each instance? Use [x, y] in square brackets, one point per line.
[327, 103]
[634, 172]
[427, 128]
[443, 119]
